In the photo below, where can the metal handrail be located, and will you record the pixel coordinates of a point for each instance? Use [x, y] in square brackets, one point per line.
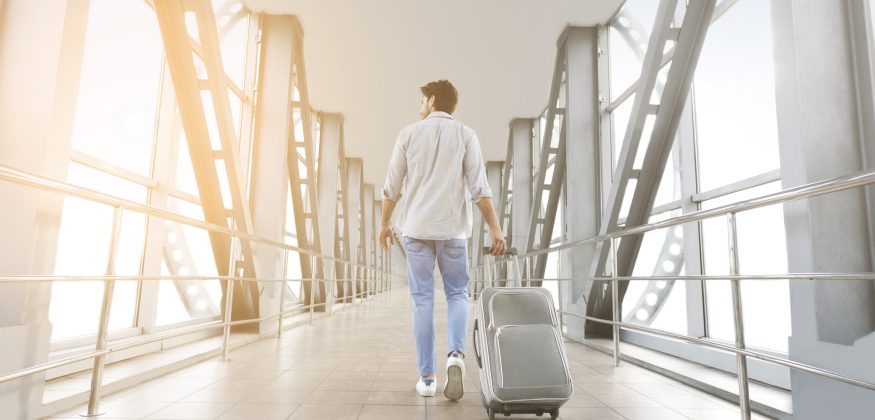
[720, 346]
[759, 277]
[49, 279]
[791, 194]
[379, 281]
[48, 184]
[814, 189]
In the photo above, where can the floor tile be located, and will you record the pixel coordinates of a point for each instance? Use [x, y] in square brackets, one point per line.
[395, 398]
[326, 412]
[259, 412]
[337, 397]
[191, 411]
[650, 413]
[384, 412]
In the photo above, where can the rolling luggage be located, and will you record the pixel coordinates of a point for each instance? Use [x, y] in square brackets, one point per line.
[519, 349]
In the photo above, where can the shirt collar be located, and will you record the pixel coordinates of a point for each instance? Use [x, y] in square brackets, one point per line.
[439, 114]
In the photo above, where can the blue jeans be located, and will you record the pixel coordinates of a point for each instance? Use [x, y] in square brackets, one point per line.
[452, 259]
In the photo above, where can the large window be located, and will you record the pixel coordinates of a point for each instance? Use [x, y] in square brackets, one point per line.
[120, 148]
[735, 97]
[732, 127]
[761, 250]
[115, 118]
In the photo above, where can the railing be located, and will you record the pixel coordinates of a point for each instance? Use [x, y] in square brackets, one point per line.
[484, 274]
[376, 282]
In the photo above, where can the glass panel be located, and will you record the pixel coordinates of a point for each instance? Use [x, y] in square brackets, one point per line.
[735, 97]
[170, 307]
[620, 122]
[83, 249]
[628, 36]
[761, 250]
[232, 22]
[659, 304]
[293, 271]
[184, 178]
[670, 183]
[551, 271]
[118, 89]
[187, 252]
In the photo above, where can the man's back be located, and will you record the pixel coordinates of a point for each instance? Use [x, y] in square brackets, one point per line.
[441, 160]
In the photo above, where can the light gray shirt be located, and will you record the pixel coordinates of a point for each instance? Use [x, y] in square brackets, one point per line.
[436, 166]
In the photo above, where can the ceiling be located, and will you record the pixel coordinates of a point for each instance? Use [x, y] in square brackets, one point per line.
[367, 59]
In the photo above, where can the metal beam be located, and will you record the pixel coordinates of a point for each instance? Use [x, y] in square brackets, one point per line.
[196, 97]
[302, 172]
[552, 158]
[691, 36]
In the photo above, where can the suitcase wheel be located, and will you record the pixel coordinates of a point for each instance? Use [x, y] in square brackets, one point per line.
[554, 413]
[491, 413]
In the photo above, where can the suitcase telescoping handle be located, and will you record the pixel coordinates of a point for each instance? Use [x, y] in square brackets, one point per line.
[511, 254]
[476, 348]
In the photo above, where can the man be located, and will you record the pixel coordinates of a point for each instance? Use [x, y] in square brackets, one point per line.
[441, 162]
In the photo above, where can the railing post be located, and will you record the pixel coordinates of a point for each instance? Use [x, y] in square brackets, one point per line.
[519, 273]
[345, 284]
[561, 316]
[360, 282]
[615, 302]
[527, 269]
[313, 286]
[229, 298]
[331, 289]
[108, 289]
[738, 317]
[279, 325]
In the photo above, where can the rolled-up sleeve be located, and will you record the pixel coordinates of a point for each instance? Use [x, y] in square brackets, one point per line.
[397, 170]
[475, 170]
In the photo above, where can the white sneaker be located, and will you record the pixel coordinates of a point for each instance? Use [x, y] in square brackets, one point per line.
[426, 389]
[454, 388]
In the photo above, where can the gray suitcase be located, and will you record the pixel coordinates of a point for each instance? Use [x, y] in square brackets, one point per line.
[519, 349]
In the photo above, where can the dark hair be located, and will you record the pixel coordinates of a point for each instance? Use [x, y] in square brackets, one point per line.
[445, 95]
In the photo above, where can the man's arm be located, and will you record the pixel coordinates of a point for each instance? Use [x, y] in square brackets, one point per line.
[499, 246]
[386, 237]
[475, 175]
[395, 175]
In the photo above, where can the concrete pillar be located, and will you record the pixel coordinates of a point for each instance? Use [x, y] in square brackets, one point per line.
[819, 126]
[493, 176]
[369, 234]
[270, 176]
[327, 181]
[41, 45]
[582, 192]
[353, 199]
[521, 136]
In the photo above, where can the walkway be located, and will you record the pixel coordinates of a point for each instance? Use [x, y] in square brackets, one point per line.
[360, 365]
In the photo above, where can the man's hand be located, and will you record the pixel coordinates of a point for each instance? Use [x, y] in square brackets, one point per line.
[499, 246]
[387, 239]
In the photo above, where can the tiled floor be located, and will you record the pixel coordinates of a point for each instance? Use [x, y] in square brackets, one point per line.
[360, 365]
